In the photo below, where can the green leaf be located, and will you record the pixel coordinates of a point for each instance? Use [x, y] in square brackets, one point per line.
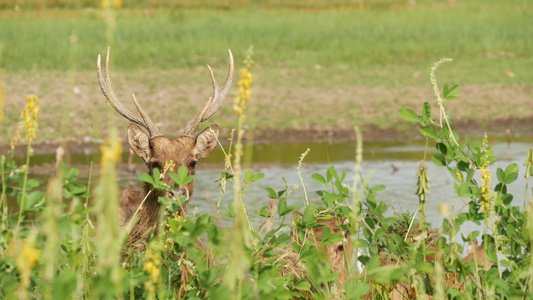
[147, 178]
[263, 212]
[439, 159]
[449, 92]
[409, 115]
[250, 177]
[318, 178]
[511, 173]
[357, 290]
[442, 148]
[175, 177]
[32, 200]
[258, 176]
[429, 132]
[182, 171]
[271, 193]
[188, 179]
[463, 166]
[500, 174]
[31, 184]
[326, 233]
[181, 178]
[309, 214]
[282, 207]
[378, 188]
[77, 189]
[303, 285]
[156, 176]
[332, 173]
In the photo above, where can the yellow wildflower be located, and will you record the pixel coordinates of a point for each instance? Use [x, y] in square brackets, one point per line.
[152, 265]
[169, 165]
[26, 256]
[486, 181]
[485, 188]
[29, 120]
[111, 152]
[244, 84]
[459, 176]
[30, 116]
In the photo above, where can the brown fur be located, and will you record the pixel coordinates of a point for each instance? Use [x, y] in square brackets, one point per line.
[477, 253]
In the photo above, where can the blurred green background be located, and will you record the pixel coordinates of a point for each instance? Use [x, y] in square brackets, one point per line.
[489, 36]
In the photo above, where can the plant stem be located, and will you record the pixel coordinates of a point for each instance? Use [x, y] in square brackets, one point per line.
[24, 182]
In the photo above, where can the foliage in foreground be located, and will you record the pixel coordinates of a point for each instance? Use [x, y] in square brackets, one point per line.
[65, 242]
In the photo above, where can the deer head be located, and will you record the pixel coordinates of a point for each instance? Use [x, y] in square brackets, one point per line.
[337, 254]
[157, 150]
[477, 254]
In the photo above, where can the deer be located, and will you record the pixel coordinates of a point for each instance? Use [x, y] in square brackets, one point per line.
[477, 254]
[338, 255]
[157, 150]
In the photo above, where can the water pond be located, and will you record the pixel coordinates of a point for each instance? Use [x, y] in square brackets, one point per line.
[393, 164]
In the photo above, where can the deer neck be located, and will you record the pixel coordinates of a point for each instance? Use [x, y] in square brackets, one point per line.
[148, 216]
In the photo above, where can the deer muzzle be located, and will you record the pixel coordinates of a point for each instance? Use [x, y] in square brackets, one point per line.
[177, 193]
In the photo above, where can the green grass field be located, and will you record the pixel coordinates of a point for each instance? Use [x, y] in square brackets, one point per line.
[389, 45]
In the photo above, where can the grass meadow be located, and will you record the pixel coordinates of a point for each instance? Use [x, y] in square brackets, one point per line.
[61, 239]
[485, 40]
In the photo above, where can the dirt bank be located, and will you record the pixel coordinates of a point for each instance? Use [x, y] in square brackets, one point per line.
[72, 108]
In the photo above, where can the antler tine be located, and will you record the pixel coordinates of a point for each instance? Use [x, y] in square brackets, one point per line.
[149, 125]
[107, 90]
[219, 99]
[214, 103]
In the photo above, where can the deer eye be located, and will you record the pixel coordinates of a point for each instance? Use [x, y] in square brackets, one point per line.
[155, 165]
[193, 163]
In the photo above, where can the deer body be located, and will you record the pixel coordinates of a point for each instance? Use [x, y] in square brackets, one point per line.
[337, 254]
[158, 152]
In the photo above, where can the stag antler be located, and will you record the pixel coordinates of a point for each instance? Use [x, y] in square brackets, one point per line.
[213, 104]
[105, 85]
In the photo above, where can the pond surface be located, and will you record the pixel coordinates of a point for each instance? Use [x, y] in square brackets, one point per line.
[393, 164]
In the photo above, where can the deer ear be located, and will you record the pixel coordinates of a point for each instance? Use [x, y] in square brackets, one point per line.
[206, 142]
[139, 141]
